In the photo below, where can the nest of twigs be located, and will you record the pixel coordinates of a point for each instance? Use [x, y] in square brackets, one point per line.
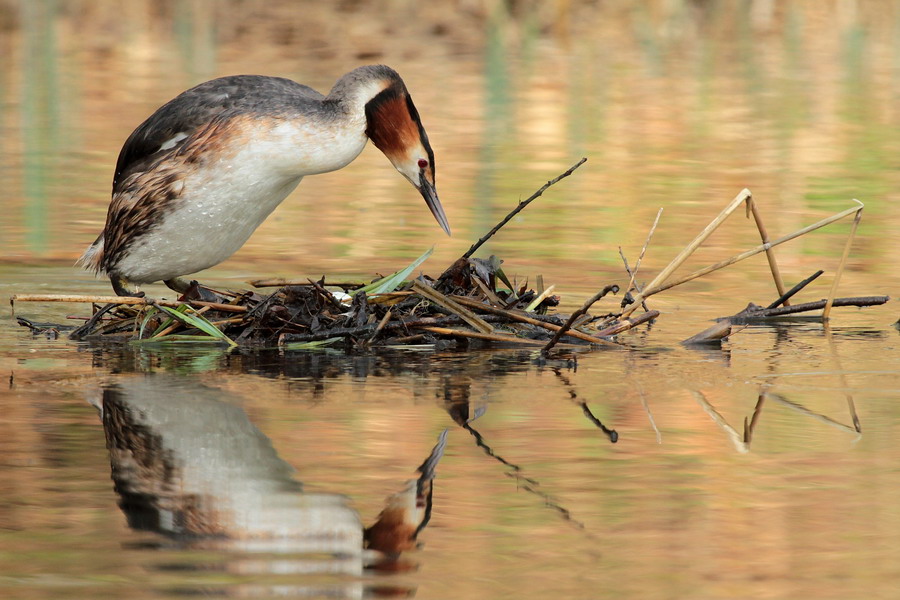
[472, 301]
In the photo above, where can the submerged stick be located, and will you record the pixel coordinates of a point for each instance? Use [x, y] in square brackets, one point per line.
[584, 308]
[519, 208]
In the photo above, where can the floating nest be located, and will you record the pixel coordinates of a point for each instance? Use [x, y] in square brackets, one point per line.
[472, 301]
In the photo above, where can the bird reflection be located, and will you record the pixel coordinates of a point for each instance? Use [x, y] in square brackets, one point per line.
[187, 463]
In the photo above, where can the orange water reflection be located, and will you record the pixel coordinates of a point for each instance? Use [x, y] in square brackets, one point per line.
[675, 104]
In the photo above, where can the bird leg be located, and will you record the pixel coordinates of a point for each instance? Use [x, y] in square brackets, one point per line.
[120, 287]
[179, 285]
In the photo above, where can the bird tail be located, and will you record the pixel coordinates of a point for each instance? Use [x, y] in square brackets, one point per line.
[92, 259]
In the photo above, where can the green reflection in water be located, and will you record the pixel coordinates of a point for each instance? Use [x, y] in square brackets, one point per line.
[194, 25]
[40, 115]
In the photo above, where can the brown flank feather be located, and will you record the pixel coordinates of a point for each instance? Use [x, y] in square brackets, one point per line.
[141, 200]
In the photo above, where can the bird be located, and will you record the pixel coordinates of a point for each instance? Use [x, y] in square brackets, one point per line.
[196, 179]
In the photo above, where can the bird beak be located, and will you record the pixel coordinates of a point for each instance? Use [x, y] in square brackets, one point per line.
[426, 188]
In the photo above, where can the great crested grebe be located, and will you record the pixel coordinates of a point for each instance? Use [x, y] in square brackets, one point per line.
[194, 180]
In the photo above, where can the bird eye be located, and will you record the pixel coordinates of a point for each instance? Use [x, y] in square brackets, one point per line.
[423, 163]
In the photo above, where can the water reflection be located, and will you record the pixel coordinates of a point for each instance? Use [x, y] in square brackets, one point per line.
[189, 464]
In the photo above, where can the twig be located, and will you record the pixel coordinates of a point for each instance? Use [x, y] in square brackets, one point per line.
[89, 325]
[514, 316]
[840, 270]
[807, 306]
[384, 321]
[490, 337]
[327, 296]
[791, 292]
[281, 282]
[626, 324]
[542, 295]
[584, 308]
[519, 208]
[627, 297]
[637, 265]
[444, 301]
[368, 328]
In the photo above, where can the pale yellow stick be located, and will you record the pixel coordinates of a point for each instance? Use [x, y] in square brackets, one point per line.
[478, 305]
[462, 312]
[655, 289]
[688, 250]
[840, 270]
[131, 300]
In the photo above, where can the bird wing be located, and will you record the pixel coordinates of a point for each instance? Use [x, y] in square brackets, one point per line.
[190, 111]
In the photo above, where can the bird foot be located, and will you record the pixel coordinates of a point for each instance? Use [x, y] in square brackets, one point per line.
[191, 290]
[120, 287]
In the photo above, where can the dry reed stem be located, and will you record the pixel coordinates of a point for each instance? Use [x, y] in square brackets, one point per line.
[129, 300]
[688, 250]
[444, 301]
[840, 270]
[657, 284]
[540, 298]
[478, 305]
[770, 255]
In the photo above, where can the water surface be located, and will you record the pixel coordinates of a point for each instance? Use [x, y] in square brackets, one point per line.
[765, 468]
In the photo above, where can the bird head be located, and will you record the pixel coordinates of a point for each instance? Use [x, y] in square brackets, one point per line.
[394, 126]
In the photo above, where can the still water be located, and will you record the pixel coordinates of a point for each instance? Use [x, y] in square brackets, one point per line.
[766, 468]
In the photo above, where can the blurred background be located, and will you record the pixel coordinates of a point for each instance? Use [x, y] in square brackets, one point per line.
[676, 104]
